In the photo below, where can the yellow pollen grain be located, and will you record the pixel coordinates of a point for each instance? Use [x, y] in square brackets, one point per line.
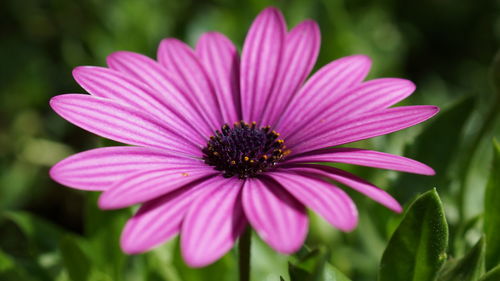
[185, 174]
[216, 153]
[252, 161]
[233, 162]
[246, 158]
[265, 157]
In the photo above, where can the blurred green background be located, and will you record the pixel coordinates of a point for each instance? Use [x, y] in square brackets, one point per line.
[446, 47]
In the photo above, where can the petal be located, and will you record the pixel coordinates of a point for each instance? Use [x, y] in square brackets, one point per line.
[213, 223]
[115, 121]
[99, 168]
[157, 77]
[300, 52]
[318, 92]
[370, 96]
[146, 185]
[260, 59]
[364, 157]
[329, 201]
[352, 181]
[160, 219]
[180, 60]
[111, 84]
[364, 127]
[279, 219]
[221, 60]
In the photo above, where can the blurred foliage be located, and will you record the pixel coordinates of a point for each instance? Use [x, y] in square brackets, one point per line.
[48, 232]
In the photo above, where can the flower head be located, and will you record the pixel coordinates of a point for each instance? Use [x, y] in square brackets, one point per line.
[219, 142]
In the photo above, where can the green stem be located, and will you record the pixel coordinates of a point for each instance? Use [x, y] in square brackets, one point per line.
[244, 255]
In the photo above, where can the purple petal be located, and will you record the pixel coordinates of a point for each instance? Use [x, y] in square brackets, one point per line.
[111, 84]
[370, 96]
[364, 127]
[329, 201]
[260, 59]
[99, 168]
[146, 185]
[118, 122]
[319, 91]
[213, 223]
[180, 60]
[221, 60]
[300, 52]
[157, 77]
[363, 157]
[279, 219]
[352, 181]
[160, 219]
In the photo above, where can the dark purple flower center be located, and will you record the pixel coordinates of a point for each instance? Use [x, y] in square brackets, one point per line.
[244, 150]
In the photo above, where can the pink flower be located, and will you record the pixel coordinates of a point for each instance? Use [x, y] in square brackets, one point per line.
[196, 176]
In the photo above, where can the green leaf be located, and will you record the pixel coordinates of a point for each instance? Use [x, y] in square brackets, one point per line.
[32, 239]
[5, 262]
[41, 235]
[103, 230]
[159, 264]
[75, 260]
[437, 147]
[495, 73]
[313, 265]
[224, 269]
[9, 271]
[468, 268]
[492, 275]
[492, 211]
[417, 249]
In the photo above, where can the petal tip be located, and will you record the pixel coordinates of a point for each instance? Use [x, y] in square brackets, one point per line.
[365, 59]
[194, 258]
[270, 10]
[402, 83]
[288, 249]
[130, 248]
[349, 227]
[429, 171]
[54, 173]
[361, 61]
[54, 102]
[309, 23]
[397, 209]
[196, 262]
[129, 243]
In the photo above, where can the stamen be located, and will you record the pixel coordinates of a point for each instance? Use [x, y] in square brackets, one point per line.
[244, 150]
